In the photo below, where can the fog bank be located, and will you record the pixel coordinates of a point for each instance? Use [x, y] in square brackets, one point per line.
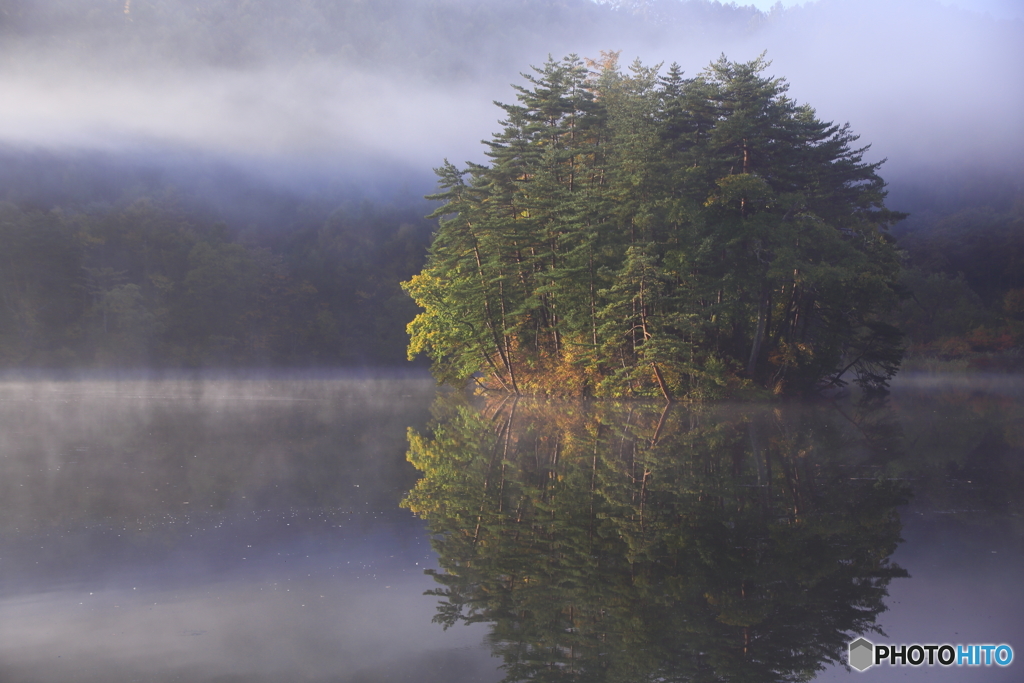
[332, 88]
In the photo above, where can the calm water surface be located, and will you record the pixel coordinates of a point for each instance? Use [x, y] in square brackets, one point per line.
[374, 530]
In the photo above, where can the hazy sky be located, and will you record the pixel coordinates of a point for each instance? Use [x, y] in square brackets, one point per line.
[997, 8]
[933, 88]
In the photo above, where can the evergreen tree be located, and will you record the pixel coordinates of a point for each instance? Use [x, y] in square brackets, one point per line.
[647, 235]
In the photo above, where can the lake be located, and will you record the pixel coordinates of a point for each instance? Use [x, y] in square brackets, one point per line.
[375, 529]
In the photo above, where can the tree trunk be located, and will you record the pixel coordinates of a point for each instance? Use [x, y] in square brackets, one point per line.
[763, 307]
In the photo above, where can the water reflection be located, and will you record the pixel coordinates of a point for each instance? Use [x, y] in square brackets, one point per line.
[632, 543]
[227, 531]
[216, 531]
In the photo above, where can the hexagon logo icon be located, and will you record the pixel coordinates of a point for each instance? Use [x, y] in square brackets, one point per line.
[862, 654]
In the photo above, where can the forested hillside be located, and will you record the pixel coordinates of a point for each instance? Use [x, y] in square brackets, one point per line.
[963, 286]
[150, 283]
[438, 39]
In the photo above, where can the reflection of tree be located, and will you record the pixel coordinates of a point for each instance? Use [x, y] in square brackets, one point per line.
[965, 450]
[625, 543]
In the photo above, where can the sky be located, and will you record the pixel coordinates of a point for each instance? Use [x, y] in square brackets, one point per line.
[1000, 9]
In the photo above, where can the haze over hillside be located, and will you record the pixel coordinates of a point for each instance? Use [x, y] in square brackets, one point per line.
[303, 92]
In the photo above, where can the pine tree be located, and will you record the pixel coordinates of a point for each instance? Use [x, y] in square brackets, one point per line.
[646, 235]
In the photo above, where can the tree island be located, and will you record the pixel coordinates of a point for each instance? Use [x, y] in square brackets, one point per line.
[639, 234]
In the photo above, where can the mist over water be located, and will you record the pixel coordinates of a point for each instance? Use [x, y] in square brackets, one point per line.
[216, 528]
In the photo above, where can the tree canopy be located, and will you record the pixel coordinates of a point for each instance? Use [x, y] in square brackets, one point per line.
[639, 233]
[149, 282]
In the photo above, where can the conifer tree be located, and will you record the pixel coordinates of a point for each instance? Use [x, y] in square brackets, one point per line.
[644, 235]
